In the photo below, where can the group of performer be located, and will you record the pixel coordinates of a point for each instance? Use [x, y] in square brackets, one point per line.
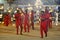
[23, 21]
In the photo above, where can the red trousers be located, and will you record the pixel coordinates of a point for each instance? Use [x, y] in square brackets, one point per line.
[43, 29]
[26, 27]
[32, 24]
[7, 24]
[17, 28]
[50, 23]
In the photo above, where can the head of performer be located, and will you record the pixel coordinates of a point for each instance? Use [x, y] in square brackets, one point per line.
[26, 11]
[46, 9]
[7, 13]
[32, 11]
[18, 11]
[42, 12]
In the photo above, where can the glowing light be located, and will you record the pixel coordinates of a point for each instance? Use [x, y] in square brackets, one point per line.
[49, 7]
[30, 8]
[1, 7]
[39, 19]
[9, 11]
[17, 8]
[11, 19]
[13, 15]
[40, 7]
[29, 4]
[37, 11]
[36, 6]
[0, 15]
[37, 3]
[15, 11]
[30, 13]
[13, 25]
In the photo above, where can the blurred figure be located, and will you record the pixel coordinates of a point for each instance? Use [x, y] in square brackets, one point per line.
[26, 21]
[18, 20]
[32, 19]
[53, 16]
[48, 15]
[7, 19]
[56, 19]
[43, 24]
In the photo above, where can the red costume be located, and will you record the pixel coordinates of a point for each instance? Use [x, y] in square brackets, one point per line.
[32, 19]
[49, 20]
[44, 23]
[7, 19]
[26, 22]
[18, 18]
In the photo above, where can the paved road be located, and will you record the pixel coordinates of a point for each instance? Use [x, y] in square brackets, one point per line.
[9, 33]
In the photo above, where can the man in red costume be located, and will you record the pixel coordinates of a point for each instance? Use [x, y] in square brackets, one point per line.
[32, 19]
[7, 19]
[26, 21]
[18, 20]
[44, 22]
